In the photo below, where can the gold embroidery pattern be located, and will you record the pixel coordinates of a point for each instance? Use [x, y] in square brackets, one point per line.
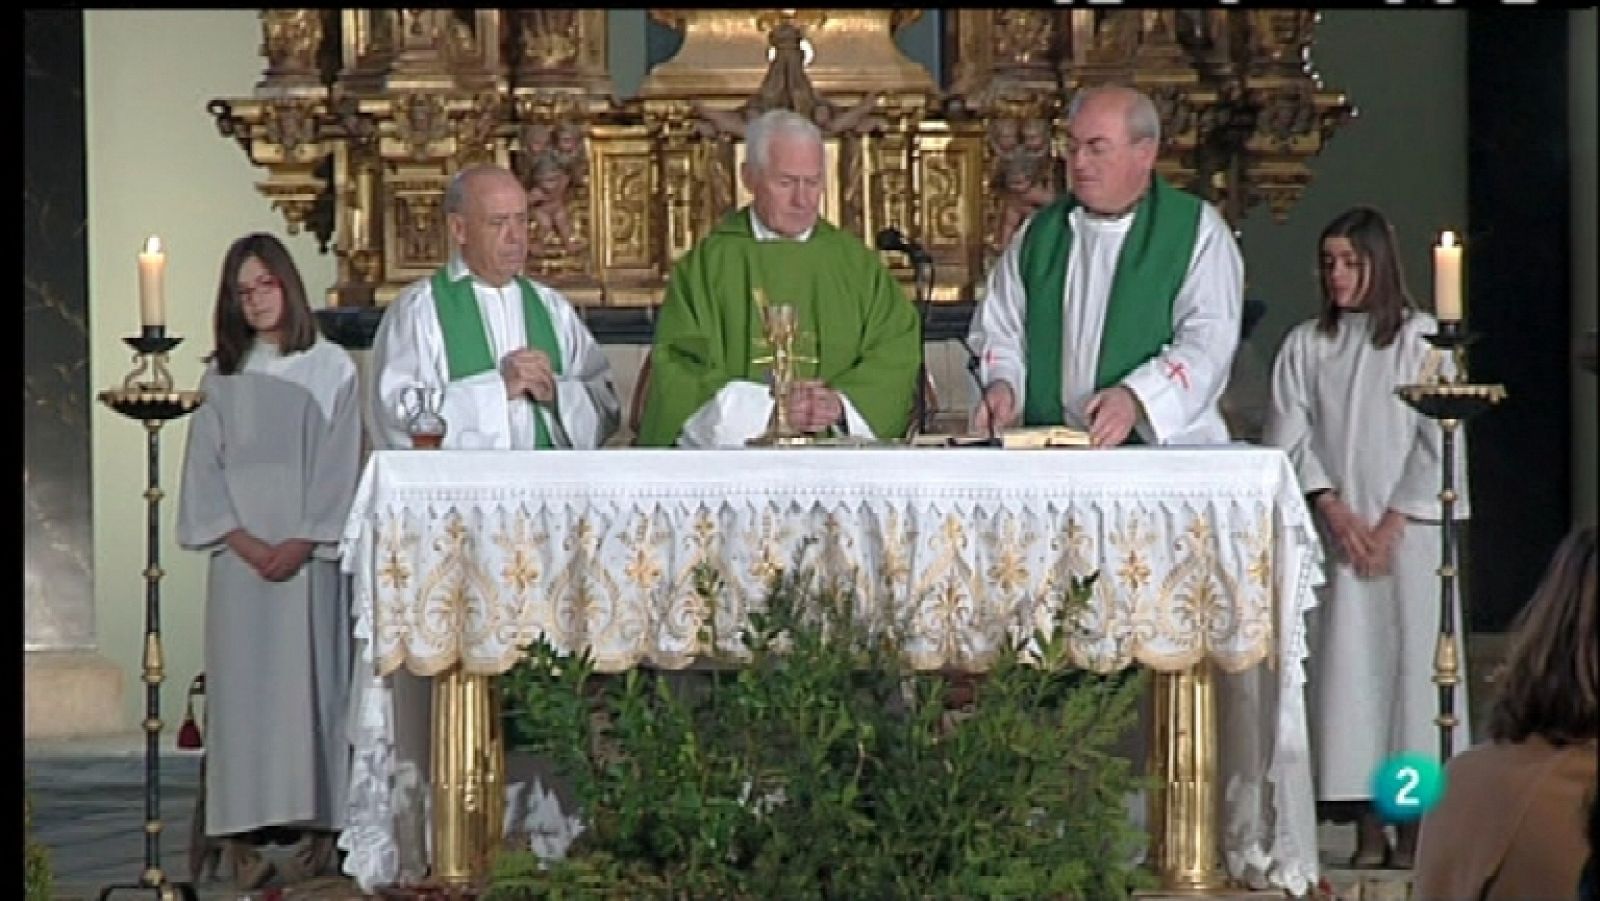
[569, 591]
[456, 599]
[396, 568]
[520, 548]
[1177, 582]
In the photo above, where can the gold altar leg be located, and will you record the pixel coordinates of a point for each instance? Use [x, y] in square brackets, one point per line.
[1183, 759]
[468, 769]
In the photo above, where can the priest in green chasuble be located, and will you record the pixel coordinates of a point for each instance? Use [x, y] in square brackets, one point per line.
[1116, 309]
[707, 386]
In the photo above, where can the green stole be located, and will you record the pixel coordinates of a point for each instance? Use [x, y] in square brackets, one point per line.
[1150, 270]
[466, 341]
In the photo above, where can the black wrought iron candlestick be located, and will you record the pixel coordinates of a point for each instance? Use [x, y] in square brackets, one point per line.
[1447, 397]
[147, 395]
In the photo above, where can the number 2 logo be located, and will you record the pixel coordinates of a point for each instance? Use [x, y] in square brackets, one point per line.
[1409, 778]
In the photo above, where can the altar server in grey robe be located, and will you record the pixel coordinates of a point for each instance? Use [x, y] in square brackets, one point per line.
[1370, 464]
[268, 477]
[513, 367]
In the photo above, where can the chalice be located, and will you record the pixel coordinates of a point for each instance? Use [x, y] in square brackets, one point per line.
[780, 330]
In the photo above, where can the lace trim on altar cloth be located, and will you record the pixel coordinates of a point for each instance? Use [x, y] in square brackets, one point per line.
[377, 786]
[1270, 836]
[1178, 581]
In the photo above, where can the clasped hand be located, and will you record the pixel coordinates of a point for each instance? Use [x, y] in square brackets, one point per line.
[527, 371]
[813, 406]
[275, 563]
[1370, 550]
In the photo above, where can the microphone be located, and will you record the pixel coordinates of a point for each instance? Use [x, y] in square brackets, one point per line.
[893, 238]
[983, 395]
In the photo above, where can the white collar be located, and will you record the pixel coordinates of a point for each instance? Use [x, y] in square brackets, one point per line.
[762, 233]
[456, 269]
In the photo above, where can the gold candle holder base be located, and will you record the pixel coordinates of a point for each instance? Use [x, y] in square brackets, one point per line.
[1451, 400]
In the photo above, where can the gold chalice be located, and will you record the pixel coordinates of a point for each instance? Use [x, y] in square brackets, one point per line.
[780, 333]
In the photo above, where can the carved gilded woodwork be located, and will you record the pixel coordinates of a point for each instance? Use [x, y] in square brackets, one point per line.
[626, 243]
[362, 117]
[292, 41]
[724, 56]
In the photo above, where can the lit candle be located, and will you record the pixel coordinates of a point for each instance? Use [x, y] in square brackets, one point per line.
[1447, 278]
[152, 271]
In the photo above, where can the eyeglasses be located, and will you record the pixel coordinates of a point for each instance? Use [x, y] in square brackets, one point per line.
[264, 283]
[1098, 148]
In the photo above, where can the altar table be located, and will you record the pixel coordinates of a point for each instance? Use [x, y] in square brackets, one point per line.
[1207, 559]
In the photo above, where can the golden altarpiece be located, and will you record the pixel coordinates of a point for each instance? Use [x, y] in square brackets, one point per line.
[362, 116]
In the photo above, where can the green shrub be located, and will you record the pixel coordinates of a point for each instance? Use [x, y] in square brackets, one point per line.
[822, 767]
[36, 862]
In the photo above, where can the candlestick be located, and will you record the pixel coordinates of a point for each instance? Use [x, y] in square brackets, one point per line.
[152, 272]
[1447, 278]
[154, 403]
[1450, 400]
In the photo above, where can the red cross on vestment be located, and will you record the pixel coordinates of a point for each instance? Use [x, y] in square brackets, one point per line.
[1179, 372]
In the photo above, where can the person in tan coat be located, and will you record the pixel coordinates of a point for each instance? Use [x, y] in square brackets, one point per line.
[1512, 820]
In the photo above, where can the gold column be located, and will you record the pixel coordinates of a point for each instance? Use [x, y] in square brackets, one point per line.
[1183, 757]
[468, 775]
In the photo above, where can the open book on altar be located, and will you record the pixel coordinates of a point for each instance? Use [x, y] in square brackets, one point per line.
[1025, 439]
[937, 440]
[1044, 436]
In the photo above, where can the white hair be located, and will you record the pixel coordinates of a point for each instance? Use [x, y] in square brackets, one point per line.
[1142, 119]
[765, 128]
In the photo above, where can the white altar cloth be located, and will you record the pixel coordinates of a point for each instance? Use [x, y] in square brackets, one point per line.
[467, 556]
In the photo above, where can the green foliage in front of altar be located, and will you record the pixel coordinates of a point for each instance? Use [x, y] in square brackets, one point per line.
[37, 875]
[823, 767]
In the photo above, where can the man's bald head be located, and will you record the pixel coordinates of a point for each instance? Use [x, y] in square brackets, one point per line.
[486, 209]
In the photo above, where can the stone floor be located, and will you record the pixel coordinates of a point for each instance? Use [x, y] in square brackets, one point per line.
[88, 809]
[88, 798]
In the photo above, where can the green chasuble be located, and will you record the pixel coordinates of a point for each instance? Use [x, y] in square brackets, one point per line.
[1151, 267]
[708, 332]
[466, 341]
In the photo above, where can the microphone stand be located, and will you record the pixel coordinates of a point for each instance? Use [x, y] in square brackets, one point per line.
[923, 278]
[983, 395]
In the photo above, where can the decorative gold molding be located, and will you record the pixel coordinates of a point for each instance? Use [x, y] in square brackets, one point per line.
[362, 116]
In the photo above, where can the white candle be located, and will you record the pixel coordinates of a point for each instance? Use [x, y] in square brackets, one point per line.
[152, 272]
[1447, 278]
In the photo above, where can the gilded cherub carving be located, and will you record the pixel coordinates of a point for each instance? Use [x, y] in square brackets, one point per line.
[1024, 173]
[554, 164]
